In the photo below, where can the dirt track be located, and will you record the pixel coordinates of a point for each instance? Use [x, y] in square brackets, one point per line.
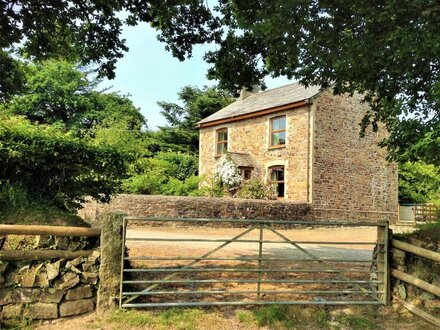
[284, 250]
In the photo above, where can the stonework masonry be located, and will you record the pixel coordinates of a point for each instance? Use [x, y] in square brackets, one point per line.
[327, 164]
[50, 289]
[349, 172]
[225, 208]
[251, 136]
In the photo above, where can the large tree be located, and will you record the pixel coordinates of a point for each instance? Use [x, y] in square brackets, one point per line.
[57, 91]
[197, 103]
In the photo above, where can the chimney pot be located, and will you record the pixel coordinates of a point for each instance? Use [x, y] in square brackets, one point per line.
[245, 93]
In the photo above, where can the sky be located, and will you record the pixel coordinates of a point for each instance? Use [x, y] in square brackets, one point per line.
[150, 74]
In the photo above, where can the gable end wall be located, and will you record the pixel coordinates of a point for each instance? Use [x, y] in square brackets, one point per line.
[350, 174]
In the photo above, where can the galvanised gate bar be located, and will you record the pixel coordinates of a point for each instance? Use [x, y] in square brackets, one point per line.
[186, 269]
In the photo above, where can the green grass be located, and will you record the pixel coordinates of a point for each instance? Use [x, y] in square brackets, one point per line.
[179, 319]
[245, 317]
[273, 316]
[357, 322]
[131, 318]
[285, 317]
[276, 317]
[16, 325]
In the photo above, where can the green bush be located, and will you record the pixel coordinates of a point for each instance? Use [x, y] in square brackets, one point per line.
[48, 164]
[255, 188]
[212, 187]
[180, 166]
[12, 197]
[168, 173]
[148, 184]
[175, 187]
[419, 183]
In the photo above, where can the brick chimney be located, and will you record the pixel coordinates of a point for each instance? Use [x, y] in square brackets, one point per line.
[244, 93]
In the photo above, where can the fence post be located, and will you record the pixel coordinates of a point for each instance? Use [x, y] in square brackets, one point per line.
[110, 270]
[383, 264]
[260, 261]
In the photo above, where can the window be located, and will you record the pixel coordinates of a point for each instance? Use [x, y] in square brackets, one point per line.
[246, 173]
[277, 177]
[221, 141]
[278, 132]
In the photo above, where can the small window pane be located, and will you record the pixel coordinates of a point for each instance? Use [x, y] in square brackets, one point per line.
[279, 123]
[280, 175]
[246, 174]
[278, 138]
[280, 189]
[222, 148]
[282, 123]
[222, 136]
[275, 125]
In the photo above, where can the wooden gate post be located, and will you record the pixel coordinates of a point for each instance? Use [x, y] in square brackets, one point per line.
[383, 264]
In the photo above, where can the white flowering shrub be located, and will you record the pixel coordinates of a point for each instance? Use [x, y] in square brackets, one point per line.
[228, 172]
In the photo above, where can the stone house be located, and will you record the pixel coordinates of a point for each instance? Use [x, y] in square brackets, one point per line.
[307, 142]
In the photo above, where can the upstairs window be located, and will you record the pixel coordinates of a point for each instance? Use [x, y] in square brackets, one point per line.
[221, 141]
[277, 177]
[278, 132]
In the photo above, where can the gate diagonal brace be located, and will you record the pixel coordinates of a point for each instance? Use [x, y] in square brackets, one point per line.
[294, 244]
[196, 260]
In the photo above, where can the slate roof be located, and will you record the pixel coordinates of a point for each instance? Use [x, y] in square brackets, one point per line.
[242, 159]
[264, 100]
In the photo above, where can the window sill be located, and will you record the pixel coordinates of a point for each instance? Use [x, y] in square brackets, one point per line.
[277, 147]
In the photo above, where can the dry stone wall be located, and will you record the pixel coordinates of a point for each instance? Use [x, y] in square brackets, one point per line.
[49, 289]
[225, 208]
[420, 268]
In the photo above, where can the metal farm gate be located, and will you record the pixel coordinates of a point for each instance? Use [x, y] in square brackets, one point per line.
[162, 269]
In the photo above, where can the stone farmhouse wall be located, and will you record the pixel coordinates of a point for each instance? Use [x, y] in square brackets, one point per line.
[50, 289]
[349, 172]
[226, 208]
[252, 136]
[327, 163]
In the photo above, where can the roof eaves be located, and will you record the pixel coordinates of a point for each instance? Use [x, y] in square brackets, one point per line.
[257, 113]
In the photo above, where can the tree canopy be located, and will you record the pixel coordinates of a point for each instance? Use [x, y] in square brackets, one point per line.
[198, 103]
[76, 30]
[57, 91]
[62, 140]
[387, 50]
[88, 32]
